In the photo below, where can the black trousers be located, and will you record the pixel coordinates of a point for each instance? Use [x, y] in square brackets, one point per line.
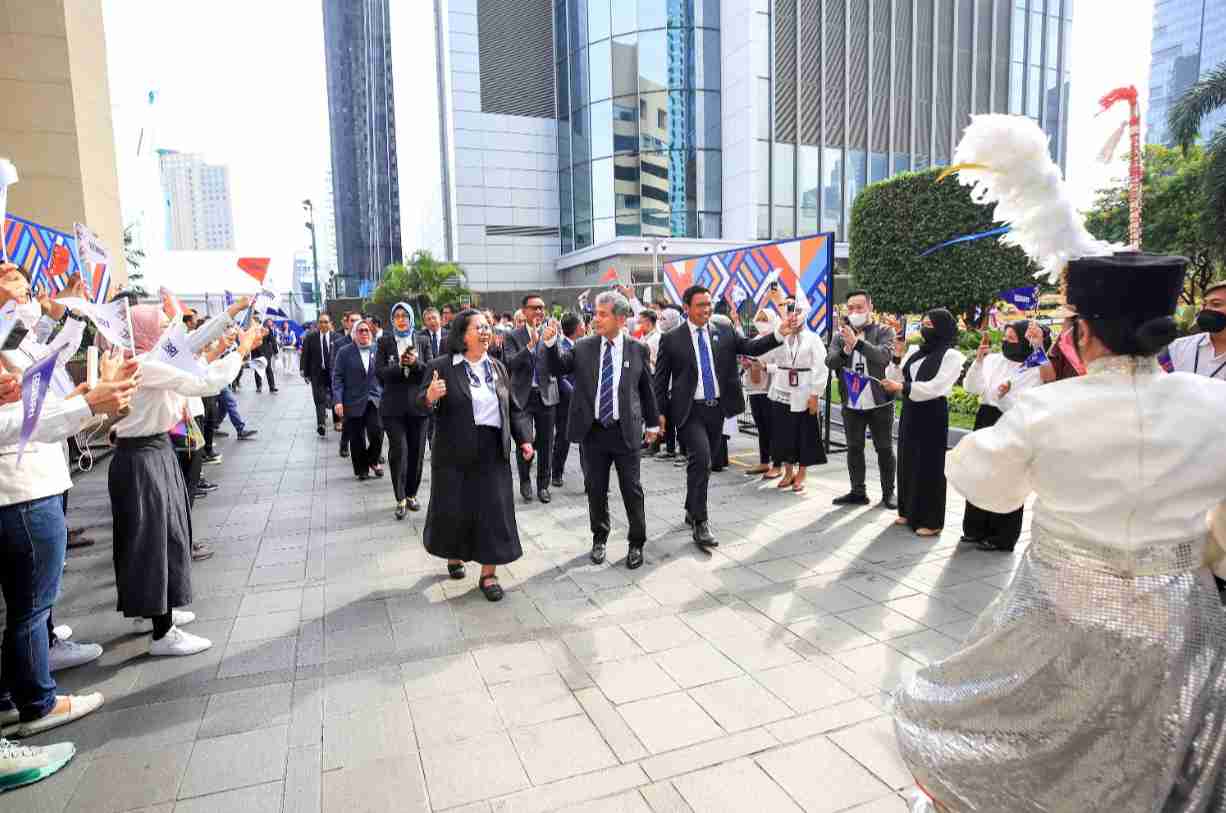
[881, 421]
[701, 435]
[209, 422]
[364, 434]
[321, 393]
[406, 449]
[543, 423]
[272, 379]
[191, 463]
[760, 406]
[981, 524]
[603, 448]
[561, 443]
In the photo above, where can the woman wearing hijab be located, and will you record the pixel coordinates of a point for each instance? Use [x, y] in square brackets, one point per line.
[998, 379]
[149, 500]
[798, 379]
[757, 382]
[471, 516]
[925, 378]
[357, 392]
[398, 363]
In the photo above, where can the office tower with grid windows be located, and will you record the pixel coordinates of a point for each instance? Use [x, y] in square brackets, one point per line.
[1189, 40]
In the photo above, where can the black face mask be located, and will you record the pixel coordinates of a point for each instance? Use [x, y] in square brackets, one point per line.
[1211, 321]
[1015, 351]
[929, 334]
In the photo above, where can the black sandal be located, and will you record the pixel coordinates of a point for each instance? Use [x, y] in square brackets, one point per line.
[491, 588]
[455, 571]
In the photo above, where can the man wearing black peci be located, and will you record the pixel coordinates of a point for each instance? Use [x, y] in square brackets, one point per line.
[534, 391]
[697, 387]
[612, 397]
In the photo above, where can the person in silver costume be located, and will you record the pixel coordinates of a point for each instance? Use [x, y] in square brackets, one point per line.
[1097, 679]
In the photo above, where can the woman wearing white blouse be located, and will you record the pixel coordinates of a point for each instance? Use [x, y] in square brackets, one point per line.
[925, 378]
[798, 377]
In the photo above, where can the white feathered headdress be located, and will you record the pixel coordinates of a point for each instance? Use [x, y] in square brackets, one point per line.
[1004, 159]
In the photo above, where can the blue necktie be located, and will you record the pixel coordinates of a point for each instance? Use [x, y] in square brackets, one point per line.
[707, 372]
[606, 386]
[434, 344]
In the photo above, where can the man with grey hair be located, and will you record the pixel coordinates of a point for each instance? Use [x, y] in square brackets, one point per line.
[606, 418]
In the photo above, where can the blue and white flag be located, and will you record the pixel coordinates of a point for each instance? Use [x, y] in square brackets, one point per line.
[1025, 298]
[229, 298]
[1036, 359]
[174, 349]
[854, 385]
[111, 319]
[34, 383]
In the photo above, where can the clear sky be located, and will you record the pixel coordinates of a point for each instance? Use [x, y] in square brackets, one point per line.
[243, 82]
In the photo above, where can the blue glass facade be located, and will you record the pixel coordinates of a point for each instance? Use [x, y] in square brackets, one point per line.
[1189, 40]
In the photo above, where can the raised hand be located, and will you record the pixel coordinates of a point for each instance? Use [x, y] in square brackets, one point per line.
[408, 358]
[984, 347]
[849, 338]
[1034, 335]
[534, 335]
[10, 388]
[437, 389]
[249, 338]
[111, 397]
[550, 331]
[526, 450]
[238, 306]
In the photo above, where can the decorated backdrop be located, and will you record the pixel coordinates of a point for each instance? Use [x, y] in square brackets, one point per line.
[34, 247]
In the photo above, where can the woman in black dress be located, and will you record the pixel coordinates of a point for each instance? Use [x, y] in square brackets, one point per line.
[925, 378]
[471, 517]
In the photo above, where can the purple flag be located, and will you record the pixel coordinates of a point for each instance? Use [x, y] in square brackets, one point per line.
[34, 384]
[1036, 359]
[853, 385]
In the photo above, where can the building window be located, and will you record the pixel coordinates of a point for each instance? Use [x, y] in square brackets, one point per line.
[662, 119]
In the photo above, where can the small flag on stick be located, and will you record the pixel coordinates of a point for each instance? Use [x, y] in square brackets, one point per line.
[255, 267]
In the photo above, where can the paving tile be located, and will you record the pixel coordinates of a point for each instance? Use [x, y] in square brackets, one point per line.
[150, 777]
[735, 787]
[561, 748]
[878, 666]
[603, 644]
[258, 799]
[270, 601]
[740, 703]
[437, 677]
[367, 736]
[881, 622]
[440, 720]
[663, 797]
[753, 653]
[247, 709]
[534, 700]
[928, 610]
[832, 634]
[659, 634]
[632, 679]
[840, 783]
[142, 728]
[824, 720]
[719, 623]
[804, 686]
[696, 664]
[478, 768]
[499, 664]
[359, 691]
[303, 780]
[668, 722]
[926, 646]
[873, 745]
[629, 802]
[886, 804]
[236, 760]
[612, 726]
[713, 752]
[256, 657]
[393, 783]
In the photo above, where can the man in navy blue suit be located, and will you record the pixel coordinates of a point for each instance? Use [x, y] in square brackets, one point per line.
[356, 391]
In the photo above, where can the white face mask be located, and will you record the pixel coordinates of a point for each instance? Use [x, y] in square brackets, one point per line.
[29, 314]
[858, 320]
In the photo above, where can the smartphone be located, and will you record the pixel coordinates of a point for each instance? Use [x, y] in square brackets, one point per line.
[16, 336]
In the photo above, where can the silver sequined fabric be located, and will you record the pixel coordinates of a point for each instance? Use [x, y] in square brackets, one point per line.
[1091, 684]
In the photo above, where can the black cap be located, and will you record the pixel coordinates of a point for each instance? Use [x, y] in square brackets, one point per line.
[1128, 284]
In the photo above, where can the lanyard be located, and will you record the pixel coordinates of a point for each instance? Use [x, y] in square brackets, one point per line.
[1196, 360]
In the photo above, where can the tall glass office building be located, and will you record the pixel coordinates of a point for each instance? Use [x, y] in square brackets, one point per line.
[1189, 40]
[713, 123]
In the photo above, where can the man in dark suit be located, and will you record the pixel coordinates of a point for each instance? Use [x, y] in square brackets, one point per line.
[570, 326]
[534, 391]
[357, 392]
[697, 387]
[316, 367]
[612, 397]
[342, 340]
[434, 333]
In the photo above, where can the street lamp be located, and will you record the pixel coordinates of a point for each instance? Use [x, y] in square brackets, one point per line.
[310, 224]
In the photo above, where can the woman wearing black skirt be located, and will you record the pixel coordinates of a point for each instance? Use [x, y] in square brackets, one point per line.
[757, 383]
[471, 517]
[925, 378]
[798, 379]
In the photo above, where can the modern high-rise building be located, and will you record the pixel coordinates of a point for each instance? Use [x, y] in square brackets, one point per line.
[712, 122]
[196, 196]
[1189, 40]
[362, 119]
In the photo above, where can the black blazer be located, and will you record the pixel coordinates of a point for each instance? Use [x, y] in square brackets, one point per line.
[677, 369]
[635, 398]
[353, 385]
[424, 335]
[519, 359]
[400, 383]
[455, 431]
[313, 364]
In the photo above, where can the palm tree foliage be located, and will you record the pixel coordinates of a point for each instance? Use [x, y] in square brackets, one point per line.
[423, 281]
[1184, 122]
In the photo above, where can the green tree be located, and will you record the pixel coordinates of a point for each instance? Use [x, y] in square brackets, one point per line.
[1176, 217]
[1184, 121]
[894, 221]
[424, 281]
[134, 257]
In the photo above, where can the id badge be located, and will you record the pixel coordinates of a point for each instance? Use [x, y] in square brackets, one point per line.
[793, 378]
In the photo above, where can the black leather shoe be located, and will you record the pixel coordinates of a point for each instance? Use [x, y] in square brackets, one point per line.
[852, 498]
[401, 510]
[491, 588]
[889, 501]
[557, 482]
[993, 545]
[634, 559]
[455, 571]
[248, 433]
[220, 433]
[205, 485]
[543, 495]
[363, 476]
[702, 535]
[969, 540]
[344, 451]
[319, 430]
[598, 546]
[689, 520]
[413, 504]
[525, 491]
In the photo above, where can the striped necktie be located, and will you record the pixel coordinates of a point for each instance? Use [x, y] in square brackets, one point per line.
[606, 385]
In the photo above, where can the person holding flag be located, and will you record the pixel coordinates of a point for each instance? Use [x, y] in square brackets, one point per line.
[999, 379]
[798, 378]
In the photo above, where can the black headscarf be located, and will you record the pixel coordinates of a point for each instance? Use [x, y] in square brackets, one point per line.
[932, 351]
[1019, 329]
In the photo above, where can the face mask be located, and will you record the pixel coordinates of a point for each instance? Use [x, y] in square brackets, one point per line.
[929, 334]
[1211, 321]
[1015, 351]
[29, 314]
[763, 328]
[858, 320]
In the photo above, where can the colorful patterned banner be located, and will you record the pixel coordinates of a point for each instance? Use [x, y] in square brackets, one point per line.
[31, 246]
[804, 261]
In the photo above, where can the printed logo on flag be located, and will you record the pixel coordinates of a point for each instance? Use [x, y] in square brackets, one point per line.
[853, 384]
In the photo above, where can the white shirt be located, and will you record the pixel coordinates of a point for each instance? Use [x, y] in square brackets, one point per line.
[1110, 461]
[802, 351]
[652, 340]
[58, 420]
[700, 391]
[1194, 354]
[985, 377]
[939, 386]
[486, 409]
[365, 353]
[162, 395]
[325, 344]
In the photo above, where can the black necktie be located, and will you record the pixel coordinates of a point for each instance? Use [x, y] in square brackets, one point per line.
[433, 344]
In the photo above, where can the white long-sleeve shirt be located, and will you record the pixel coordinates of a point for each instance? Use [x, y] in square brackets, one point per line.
[59, 419]
[985, 378]
[940, 385]
[801, 351]
[160, 399]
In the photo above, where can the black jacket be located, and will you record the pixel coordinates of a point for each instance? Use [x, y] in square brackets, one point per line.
[876, 344]
[635, 397]
[270, 345]
[520, 360]
[676, 378]
[400, 384]
[455, 431]
[354, 384]
[313, 364]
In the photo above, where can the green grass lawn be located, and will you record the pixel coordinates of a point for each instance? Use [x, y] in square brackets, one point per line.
[957, 418]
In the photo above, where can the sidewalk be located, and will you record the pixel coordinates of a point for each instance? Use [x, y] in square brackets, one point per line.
[348, 674]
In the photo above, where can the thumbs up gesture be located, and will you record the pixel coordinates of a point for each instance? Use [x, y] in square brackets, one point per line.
[984, 347]
[550, 331]
[436, 390]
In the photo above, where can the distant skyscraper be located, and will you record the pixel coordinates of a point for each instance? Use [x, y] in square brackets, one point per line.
[358, 49]
[1189, 40]
[326, 239]
[196, 196]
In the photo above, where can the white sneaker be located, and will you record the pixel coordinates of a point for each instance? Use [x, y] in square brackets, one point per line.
[79, 705]
[178, 642]
[67, 654]
[20, 765]
[63, 632]
[178, 618]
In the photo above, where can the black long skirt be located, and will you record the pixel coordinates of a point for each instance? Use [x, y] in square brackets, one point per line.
[471, 517]
[795, 436]
[979, 523]
[152, 527]
[922, 433]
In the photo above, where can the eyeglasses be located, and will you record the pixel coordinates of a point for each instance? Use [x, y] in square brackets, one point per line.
[482, 328]
[363, 330]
